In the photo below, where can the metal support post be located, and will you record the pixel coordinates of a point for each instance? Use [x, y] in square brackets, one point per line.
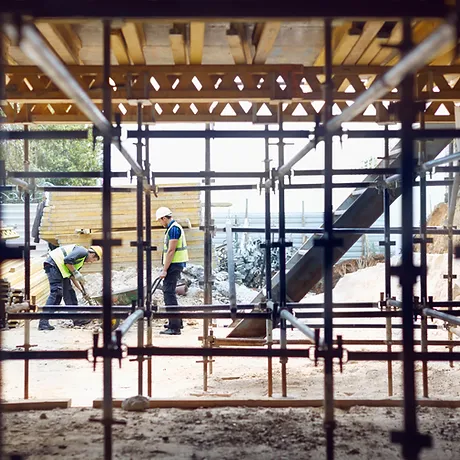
[387, 244]
[107, 250]
[329, 423]
[450, 254]
[148, 262]
[268, 266]
[140, 255]
[423, 255]
[410, 439]
[26, 265]
[282, 252]
[207, 256]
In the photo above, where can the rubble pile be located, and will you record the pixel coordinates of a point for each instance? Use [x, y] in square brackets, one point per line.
[249, 260]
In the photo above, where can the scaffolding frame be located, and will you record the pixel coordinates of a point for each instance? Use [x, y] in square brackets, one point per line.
[273, 311]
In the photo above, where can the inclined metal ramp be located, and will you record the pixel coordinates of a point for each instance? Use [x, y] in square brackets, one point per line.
[360, 210]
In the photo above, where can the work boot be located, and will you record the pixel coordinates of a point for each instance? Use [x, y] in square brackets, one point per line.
[81, 322]
[44, 325]
[171, 332]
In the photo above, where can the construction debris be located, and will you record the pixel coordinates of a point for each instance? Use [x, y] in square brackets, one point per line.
[135, 404]
[249, 259]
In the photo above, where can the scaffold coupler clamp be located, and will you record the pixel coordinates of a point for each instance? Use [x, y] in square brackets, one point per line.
[417, 307]
[318, 131]
[274, 177]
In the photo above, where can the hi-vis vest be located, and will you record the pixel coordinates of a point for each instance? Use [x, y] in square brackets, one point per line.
[181, 254]
[58, 255]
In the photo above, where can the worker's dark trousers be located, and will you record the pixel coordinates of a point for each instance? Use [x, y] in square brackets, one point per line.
[169, 292]
[59, 288]
[56, 288]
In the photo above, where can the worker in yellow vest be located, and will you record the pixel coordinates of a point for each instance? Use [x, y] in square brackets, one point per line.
[174, 258]
[64, 264]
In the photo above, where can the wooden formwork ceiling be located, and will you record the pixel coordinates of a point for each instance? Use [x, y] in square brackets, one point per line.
[222, 71]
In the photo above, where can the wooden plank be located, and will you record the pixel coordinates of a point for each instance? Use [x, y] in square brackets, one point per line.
[35, 404]
[118, 45]
[236, 43]
[384, 54]
[178, 48]
[370, 30]
[64, 40]
[197, 30]
[345, 45]
[266, 41]
[135, 39]
[281, 402]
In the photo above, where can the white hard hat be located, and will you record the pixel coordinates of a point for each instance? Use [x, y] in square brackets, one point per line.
[163, 212]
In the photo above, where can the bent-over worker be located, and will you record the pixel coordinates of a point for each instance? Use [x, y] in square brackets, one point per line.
[61, 266]
[175, 256]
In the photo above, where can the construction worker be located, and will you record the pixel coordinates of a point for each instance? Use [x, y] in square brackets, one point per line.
[63, 264]
[175, 256]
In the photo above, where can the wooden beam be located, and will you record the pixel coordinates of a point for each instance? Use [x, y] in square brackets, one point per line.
[118, 45]
[35, 404]
[64, 40]
[265, 42]
[370, 30]
[344, 46]
[177, 40]
[196, 42]
[384, 54]
[239, 45]
[5, 57]
[420, 31]
[200, 402]
[135, 39]
[382, 38]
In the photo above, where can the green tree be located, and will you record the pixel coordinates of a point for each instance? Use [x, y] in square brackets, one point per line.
[54, 155]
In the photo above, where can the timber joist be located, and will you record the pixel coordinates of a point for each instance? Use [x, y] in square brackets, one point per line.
[219, 93]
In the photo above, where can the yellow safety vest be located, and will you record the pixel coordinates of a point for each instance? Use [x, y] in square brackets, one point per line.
[58, 255]
[181, 254]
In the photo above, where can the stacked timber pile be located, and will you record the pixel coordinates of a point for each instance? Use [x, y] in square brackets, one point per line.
[13, 272]
[76, 217]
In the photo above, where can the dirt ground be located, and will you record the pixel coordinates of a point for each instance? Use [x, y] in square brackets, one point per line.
[226, 433]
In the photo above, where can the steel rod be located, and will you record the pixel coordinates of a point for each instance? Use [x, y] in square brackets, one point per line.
[148, 264]
[308, 332]
[207, 253]
[439, 161]
[128, 323]
[409, 64]
[441, 315]
[205, 174]
[188, 188]
[369, 231]
[140, 254]
[66, 174]
[42, 135]
[450, 252]
[26, 264]
[328, 345]
[423, 253]
[407, 280]
[387, 246]
[103, 122]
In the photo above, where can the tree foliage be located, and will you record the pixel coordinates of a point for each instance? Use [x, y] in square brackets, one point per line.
[54, 155]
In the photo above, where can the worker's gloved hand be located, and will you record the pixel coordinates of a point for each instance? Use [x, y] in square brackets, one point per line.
[79, 277]
[87, 298]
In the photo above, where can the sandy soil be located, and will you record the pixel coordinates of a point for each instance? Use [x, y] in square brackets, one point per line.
[226, 434]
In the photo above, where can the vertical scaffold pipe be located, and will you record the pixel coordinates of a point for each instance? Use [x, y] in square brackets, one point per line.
[329, 423]
[140, 255]
[107, 250]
